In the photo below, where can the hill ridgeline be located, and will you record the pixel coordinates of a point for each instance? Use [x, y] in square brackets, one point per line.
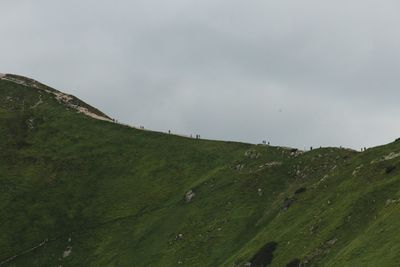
[78, 189]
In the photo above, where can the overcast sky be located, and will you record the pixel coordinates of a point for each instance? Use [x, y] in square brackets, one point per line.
[295, 73]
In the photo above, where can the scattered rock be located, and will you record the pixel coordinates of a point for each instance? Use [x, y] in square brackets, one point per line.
[259, 191]
[323, 249]
[294, 152]
[252, 154]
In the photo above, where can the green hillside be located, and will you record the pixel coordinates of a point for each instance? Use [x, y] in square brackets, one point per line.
[77, 189]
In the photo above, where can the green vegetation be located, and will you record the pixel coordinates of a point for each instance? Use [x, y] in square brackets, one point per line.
[76, 191]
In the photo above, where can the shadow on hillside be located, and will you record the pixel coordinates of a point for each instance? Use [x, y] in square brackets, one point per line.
[264, 256]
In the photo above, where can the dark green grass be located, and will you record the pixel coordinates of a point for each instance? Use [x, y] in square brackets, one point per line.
[116, 196]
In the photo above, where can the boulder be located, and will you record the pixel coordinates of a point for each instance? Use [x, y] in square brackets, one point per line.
[189, 195]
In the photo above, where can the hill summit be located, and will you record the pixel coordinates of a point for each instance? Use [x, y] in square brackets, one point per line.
[78, 189]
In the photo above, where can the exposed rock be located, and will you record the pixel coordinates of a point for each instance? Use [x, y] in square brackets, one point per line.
[357, 170]
[322, 180]
[332, 242]
[273, 163]
[67, 252]
[390, 156]
[240, 167]
[392, 201]
[40, 101]
[29, 123]
[65, 99]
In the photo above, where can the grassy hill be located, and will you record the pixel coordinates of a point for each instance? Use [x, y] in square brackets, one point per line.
[77, 189]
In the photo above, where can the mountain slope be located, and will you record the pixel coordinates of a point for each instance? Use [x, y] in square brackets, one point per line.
[77, 189]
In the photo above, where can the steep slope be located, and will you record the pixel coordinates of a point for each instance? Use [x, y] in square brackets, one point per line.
[77, 189]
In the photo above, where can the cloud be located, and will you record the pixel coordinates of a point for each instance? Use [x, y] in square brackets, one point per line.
[303, 74]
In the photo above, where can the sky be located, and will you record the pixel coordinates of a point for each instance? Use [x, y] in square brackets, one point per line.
[293, 73]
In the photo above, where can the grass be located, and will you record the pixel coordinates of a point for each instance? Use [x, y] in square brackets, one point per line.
[114, 196]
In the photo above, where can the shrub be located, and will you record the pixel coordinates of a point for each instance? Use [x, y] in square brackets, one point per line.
[390, 169]
[294, 263]
[300, 190]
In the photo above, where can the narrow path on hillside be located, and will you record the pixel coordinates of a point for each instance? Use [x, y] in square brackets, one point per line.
[139, 214]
